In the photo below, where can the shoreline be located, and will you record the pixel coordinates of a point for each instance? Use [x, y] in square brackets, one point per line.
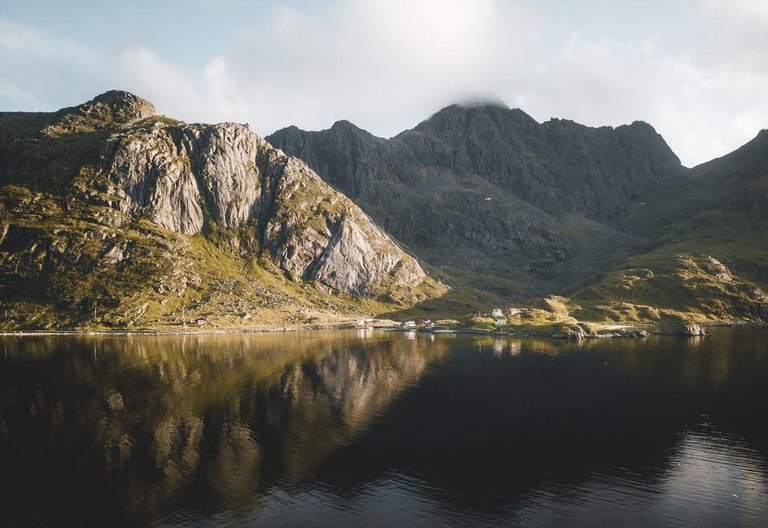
[220, 331]
[628, 331]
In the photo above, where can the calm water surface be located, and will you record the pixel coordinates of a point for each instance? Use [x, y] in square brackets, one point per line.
[384, 429]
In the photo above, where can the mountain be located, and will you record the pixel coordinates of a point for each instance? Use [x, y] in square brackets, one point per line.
[527, 202]
[498, 202]
[113, 216]
[740, 179]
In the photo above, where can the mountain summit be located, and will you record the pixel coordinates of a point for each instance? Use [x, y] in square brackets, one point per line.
[123, 107]
[111, 215]
[488, 188]
[502, 203]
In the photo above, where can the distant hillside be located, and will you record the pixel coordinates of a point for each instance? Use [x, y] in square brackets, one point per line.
[501, 203]
[112, 216]
[488, 190]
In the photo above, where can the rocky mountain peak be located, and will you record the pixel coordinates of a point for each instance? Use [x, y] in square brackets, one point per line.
[640, 130]
[478, 184]
[343, 124]
[749, 161]
[121, 106]
[115, 107]
[760, 141]
[642, 125]
[458, 117]
[349, 130]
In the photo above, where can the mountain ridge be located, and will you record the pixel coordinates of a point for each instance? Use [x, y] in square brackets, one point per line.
[523, 208]
[444, 161]
[137, 183]
[112, 216]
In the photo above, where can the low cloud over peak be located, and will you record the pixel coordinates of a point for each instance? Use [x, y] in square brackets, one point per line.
[387, 65]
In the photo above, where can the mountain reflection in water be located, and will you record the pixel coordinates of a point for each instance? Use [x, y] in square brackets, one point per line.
[339, 428]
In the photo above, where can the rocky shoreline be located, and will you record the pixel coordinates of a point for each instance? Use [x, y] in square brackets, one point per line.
[626, 332]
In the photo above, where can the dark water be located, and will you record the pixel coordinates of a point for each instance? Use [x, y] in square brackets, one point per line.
[384, 429]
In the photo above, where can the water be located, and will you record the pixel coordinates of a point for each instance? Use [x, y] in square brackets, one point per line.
[384, 429]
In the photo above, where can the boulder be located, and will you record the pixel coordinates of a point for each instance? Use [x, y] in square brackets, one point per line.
[678, 326]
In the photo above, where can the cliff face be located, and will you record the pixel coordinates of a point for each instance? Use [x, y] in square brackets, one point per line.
[181, 177]
[505, 204]
[486, 190]
[112, 163]
[558, 166]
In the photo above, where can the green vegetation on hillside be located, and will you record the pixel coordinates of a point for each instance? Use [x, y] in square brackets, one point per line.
[603, 226]
[74, 256]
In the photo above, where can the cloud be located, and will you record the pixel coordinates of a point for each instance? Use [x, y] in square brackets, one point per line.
[44, 72]
[698, 74]
[749, 10]
[141, 71]
[383, 64]
[386, 65]
[38, 68]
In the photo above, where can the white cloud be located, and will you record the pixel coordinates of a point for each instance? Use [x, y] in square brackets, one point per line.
[383, 64]
[745, 9]
[45, 72]
[387, 64]
[141, 71]
[38, 68]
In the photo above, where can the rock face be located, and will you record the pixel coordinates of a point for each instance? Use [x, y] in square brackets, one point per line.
[488, 190]
[559, 166]
[182, 176]
[123, 107]
[503, 203]
[100, 202]
[676, 326]
[172, 174]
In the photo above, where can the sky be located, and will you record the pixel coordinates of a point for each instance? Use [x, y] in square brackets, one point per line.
[697, 70]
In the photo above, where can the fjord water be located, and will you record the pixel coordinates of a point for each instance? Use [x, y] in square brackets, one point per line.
[380, 428]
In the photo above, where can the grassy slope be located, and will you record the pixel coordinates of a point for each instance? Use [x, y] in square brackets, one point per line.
[57, 272]
[708, 268]
[686, 276]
